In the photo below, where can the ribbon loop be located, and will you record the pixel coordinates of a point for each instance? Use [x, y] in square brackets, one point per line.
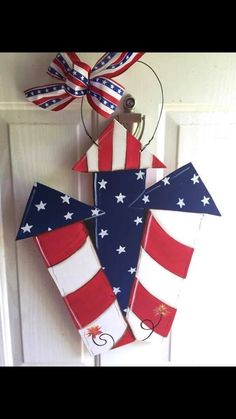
[103, 93]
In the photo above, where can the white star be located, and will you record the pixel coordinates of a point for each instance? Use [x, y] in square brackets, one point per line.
[121, 249]
[103, 63]
[41, 206]
[95, 212]
[132, 270]
[120, 198]
[195, 179]
[68, 216]
[166, 181]
[119, 90]
[104, 82]
[26, 228]
[140, 174]
[145, 199]
[181, 202]
[205, 200]
[112, 86]
[102, 184]
[138, 220]
[49, 229]
[46, 90]
[103, 233]
[116, 290]
[126, 310]
[39, 91]
[112, 106]
[74, 72]
[65, 199]
[104, 102]
[82, 77]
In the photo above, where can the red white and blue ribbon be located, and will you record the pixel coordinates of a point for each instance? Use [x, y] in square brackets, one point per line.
[77, 80]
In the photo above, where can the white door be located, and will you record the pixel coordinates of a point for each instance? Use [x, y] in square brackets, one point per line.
[35, 327]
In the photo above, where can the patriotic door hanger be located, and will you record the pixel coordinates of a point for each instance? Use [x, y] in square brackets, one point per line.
[142, 254]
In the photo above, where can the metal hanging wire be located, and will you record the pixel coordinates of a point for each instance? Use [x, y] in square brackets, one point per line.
[159, 116]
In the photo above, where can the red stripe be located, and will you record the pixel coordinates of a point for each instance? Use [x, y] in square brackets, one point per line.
[133, 148]
[105, 143]
[104, 94]
[157, 163]
[127, 337]
[90, 301]
[81, 165]
[59, 64]
[77, 82]
[145, 306]
[169, 253]
[57, 245]
[42, 87]
[63, 105]
[54, 75]
[124, 68]
[46, 98]
[85, 66]
[100, 59]
[96, 108]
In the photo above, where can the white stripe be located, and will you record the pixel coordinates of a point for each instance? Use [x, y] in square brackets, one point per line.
[182, 226]
[119, 146]
[67, 59]
[102, 69]
[45, 95]
[92, 158]
[106, 89]
[139, 333]
[157, 280]
[81, 70]
[54, 105]
[112, 70]
[58, 69]
[112, 322]
[146, 159]
[75, 271]
[75, 86]
[101, 106]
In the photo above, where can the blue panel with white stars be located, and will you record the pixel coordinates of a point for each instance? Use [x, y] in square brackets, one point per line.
[48, 209]
[182, 190]
[119, 232]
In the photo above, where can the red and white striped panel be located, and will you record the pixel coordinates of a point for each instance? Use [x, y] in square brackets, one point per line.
[117, 150]
[73, 263]
[165, 255]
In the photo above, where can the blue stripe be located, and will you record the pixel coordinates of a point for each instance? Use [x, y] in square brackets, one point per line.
[53, 72]
[101, 99]
[104, 60]
[113, 66]
[108, 83]
[41, 91]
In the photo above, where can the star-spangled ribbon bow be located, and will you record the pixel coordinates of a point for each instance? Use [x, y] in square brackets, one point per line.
[79, 80]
